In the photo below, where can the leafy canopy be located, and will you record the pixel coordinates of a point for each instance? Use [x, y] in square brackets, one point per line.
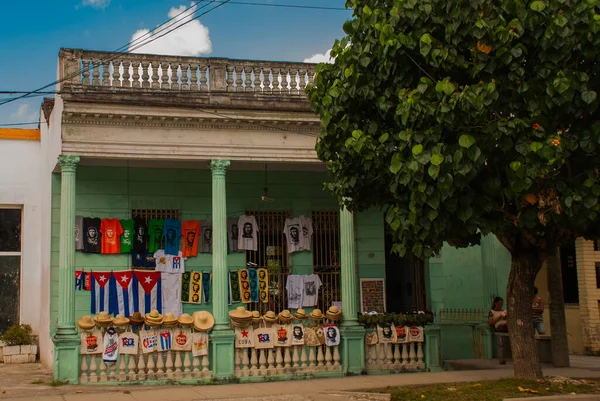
[466, 116]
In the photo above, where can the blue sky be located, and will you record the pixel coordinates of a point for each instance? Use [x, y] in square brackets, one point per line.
[33, 33]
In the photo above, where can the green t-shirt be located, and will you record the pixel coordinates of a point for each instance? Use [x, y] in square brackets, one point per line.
[155, 232]
[127, 236]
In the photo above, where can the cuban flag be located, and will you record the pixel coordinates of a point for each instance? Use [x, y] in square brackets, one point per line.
[147, 291]
[79, 280]
[100, 292]
[122, 293]
[165, 340]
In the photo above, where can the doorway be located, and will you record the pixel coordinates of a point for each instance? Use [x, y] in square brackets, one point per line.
[10, 266]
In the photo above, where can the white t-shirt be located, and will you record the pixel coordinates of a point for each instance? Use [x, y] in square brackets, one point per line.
[312, 284]
[293, 233]
[171, 293]
[307, 232]
[168, 263]
[295, 291]
[248, 233]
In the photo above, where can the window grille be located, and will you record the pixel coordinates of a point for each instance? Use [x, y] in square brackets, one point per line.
[326, 255]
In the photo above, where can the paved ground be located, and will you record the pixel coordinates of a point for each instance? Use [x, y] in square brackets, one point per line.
[17, 384]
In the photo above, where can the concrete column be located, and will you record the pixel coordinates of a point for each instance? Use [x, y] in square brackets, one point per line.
[66, 340]
[222, 337]
[352, 334]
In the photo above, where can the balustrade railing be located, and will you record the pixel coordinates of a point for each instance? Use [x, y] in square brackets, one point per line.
[190, 74]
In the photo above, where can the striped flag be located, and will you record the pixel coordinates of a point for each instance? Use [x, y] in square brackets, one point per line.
[147, 291]
[100, 292]
[122, 293]
[165, 340]
[79, 280]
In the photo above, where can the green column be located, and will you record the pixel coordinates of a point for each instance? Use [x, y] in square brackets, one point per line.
[353, 345]
[66, 339]
[222, 337]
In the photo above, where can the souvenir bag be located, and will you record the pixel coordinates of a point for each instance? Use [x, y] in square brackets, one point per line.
[244, 337]
[90, 343]
[164, 340]
[111, 346]
[264, 338]
[182, 340]
[371, 338]
[401, 334]
[386, 334]
[199, 344]
[310, 337]
[128, 343]
[320, 334]
[148, 340]
[332, 335]
[297, 334]
[283, 334]
[415, 334]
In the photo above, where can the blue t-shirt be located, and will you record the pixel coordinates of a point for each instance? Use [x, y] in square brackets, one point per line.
[172, 235]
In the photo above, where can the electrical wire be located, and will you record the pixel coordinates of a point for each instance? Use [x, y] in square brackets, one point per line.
[14, 124]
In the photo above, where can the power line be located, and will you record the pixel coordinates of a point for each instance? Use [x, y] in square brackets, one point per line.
[14, 124]
[247, 3]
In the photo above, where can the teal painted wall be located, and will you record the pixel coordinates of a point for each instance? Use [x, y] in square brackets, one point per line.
[113, 191]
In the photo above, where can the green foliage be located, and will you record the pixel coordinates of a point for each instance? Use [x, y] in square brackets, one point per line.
[465, 117]
[18, 334]
[403, 319]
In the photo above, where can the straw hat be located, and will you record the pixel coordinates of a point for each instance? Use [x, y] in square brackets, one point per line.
[256, 317]
[86, 323]
[203, 321]
[120, 320]
[316, 315]
[270, 317]
[285, 316]
[169, 319]
[154, 318]
[334, 313]
[103, 319]
[300, 314]
[185, 320]
[136, 319]
[240, 313]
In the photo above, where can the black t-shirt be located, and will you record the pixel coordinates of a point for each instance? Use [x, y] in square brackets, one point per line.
[92, 237]
[140, 236]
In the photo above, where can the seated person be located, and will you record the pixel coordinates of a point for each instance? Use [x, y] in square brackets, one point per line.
[497, 316]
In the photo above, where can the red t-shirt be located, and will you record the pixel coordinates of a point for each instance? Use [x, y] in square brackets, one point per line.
[111, 236]
[190, 230]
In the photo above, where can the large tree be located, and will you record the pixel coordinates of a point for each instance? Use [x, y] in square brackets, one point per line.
[469, 117]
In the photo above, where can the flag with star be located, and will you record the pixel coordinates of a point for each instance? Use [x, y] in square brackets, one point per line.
[100, 292]
[244, 337]
[121, 293]
[147, 291]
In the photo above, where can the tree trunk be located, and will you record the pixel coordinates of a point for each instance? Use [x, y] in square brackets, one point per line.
[558, 320]
[519, 293]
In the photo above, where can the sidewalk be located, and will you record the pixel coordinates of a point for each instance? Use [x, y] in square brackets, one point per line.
[16, 386]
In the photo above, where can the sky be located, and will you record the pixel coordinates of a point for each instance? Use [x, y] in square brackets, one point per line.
[33, 32]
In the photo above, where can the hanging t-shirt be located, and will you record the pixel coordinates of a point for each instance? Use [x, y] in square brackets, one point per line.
[111, 232]
[168, 263]
[248, 233]
[127, 236]
[293, 233]
[78, 233]
[190, 231]
[233, 233]
[140, 239]
[155, 233]
[171, 293]
[295, 291]
[312, 283]
[91, 230]
[307, 232]
[172, 234]
[206, 236]
[143, 259]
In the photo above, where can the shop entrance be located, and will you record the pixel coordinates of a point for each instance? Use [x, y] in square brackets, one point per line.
[405, 281]
[10, 266]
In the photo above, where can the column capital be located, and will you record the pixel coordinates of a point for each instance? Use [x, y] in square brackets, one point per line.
[68, 163]
[218, 167]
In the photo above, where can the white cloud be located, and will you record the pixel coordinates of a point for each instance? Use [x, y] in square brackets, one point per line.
[96, 3]
[320, 58]
[25, 114]
[190, 40]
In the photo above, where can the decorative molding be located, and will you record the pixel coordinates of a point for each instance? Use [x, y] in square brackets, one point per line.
[218, 167]
[68, 163]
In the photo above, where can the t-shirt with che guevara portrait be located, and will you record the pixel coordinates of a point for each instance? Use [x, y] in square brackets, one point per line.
[127, 237]
[172, 236]
[155, 235]
[92, 237]
[140, 235]
[190, 231]
[111, 236]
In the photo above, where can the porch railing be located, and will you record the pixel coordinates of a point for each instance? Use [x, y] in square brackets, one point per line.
[395, 356]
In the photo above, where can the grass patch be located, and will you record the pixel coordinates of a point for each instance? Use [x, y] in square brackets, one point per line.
[57, 383]
[38, 382]
[490, 390]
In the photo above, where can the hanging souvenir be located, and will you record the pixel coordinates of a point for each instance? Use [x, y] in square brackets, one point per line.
[332, 335]
[191, 287]
[263, 285]
[234, 286]
[245, 286]
[90, 343]
[415, 334]
[386, 333]
[264, 338]
[320, 334]
[149, 288]
[253, 279]
[148, 341]
[401, 334]
[100, 292]
[310, 337]
[80, 280]
[371, 338]
[182, 340]
[128, 343]
[111, 346]
[200, 344]
[284, 335]
[206, 278]
[297, 334]
[164, 340]
[123, 293]
[244, 337]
